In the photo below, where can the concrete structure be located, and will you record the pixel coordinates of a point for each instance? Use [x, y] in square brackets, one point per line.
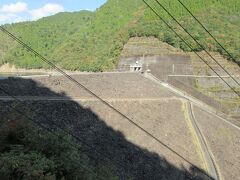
[136, 67]
[166, 64]
[179, 71]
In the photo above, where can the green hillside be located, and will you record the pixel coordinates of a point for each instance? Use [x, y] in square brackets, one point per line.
[93, 41]
[44, 35]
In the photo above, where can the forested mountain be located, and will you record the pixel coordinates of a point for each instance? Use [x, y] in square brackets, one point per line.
[44, 35]
[92, 41]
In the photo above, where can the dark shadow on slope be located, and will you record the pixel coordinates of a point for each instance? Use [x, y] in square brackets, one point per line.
[128, 159]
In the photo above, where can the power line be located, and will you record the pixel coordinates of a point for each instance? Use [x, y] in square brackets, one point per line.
[185, 7]
[191, 48]
[92, 93]
[78, 139]
[197, 42]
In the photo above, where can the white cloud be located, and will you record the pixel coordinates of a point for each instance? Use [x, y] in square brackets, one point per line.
[18, 7]
[4, 17]
[47, 10]
[18, 12]
[13, 18]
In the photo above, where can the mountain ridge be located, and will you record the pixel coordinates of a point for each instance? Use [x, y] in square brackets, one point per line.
[93, 41]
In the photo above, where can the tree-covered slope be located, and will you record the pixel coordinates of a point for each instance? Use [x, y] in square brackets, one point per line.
[222, 19]
[44, 36]
[96, 48]
[93, 41]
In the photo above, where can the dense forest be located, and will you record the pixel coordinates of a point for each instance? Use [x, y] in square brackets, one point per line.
[92, 41]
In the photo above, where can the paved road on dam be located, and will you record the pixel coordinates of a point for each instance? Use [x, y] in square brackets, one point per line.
[190, 98]
[78, 99]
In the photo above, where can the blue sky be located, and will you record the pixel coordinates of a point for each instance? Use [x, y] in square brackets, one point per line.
[22, 10]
